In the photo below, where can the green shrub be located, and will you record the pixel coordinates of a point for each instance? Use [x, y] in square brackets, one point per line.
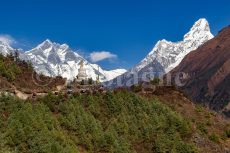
[199, 108]
[202, 128]
[9, 69]
[214, 137]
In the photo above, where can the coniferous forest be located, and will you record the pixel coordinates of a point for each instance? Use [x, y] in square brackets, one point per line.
[114, 122]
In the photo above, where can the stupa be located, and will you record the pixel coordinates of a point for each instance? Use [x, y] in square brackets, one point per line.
[81, 72]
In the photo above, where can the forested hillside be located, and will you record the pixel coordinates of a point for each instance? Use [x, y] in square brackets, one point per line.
[16, 74]
[118, 122]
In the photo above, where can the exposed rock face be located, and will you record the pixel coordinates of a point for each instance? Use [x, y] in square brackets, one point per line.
[208, 70]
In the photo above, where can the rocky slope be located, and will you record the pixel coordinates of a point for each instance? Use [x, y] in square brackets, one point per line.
[166, 55]
[207, 73]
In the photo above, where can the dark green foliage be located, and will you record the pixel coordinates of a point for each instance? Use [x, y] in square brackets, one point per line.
[32, 128]
[214, 137]
[115, 122]
[1, 57]
[227, 133]
[199, 108]
[90, 81]
[8, 68]
[202, 128]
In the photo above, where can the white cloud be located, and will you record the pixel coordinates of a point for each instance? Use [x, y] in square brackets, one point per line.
[102, 55]
[7, 39]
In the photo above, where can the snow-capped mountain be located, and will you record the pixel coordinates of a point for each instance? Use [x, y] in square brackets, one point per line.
[169, 54]
[166, 55]
[53, 59]
[5, 49]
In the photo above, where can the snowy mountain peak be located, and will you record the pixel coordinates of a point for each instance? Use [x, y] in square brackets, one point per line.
[49, 49]
[54, 59]
[201, 24]
[163, 43]
[200, 30]
[46, 44]
[65, 46]
[5, 48]
[4, 44]
[49, 44]
[48, 41]
[166, 55]
[169, 54]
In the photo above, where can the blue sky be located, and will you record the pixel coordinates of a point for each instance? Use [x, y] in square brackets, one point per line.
[128, 29]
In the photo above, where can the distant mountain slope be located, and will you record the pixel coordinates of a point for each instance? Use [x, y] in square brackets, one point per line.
[53, 59]
[167, 55]
[208, 73]
[5, 49]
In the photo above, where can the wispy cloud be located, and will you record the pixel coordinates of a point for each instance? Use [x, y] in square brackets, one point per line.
[7, 39]
[101, 55]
